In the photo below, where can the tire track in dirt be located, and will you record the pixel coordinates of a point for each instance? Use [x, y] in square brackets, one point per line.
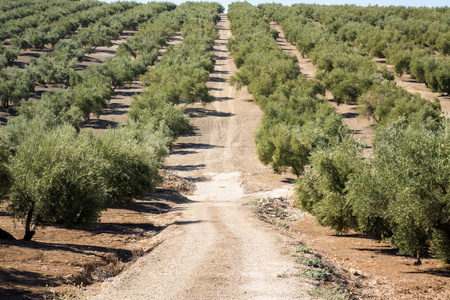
[219, 249]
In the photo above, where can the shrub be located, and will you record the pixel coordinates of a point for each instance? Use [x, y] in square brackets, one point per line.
[313, 262]
[314, 274]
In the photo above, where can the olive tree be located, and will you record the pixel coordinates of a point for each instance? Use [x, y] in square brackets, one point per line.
[404, 190]
[323, 189]
[5, 178]
[56, 177]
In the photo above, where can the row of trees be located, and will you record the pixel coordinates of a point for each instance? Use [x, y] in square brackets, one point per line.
[49, 13]
[181, 75]
[407, 37]
[59, 66]
[39, 32]
[56, 174]
[100, 23]
[422, 26]
[400, 193]
[295, 122]
[349, 75]
[19, 9]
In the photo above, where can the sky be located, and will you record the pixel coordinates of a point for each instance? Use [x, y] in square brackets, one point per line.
[414, 3]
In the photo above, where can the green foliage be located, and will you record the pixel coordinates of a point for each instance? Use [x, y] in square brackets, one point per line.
[151, 108]
[410, 169]
[323, 189]
[252, 203]
[392, 194]
[313, 262]
[295, 123]
[386, 102]
[263, 72]
[96, 35]
[183, 71]
[54, 108]
[53, 174]
[302, 249]
[180, 83]
[5, 177]
[15, 86]
[56, 177]
[316, 274]
[7, 55]
[134, 157]
[335, 293]
[92, 94]
[50, 70]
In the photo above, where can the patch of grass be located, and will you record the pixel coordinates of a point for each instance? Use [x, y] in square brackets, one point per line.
[302, 249]
[250, 203]
[316, 274]
[313, 262]
[282, 224]
[277, 212]
[282, 275]
[298, 258]
[335, 293]
[72, 294]
[291, 219]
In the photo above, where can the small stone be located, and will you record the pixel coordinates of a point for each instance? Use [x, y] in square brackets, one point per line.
[353, 271]
[376, 282]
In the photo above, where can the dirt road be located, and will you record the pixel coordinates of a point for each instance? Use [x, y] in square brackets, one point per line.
[218, 249]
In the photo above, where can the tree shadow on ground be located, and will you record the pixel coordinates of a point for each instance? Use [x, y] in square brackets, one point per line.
[100, 124]
[217, 79]
[169, 196]
[441, 272]
[90, 250]
[204, 112]
[220, 72]
[111, 52]
[21, 280]
[3, 121]
[183, 152]
[222, 58]
[220, 99]
[116, 109]
[195, 146]
[350, 115]
[215, 89]
[127, 94]
[6, 112]
[288, 180]
[187, 167]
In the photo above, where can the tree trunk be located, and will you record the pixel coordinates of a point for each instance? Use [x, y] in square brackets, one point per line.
[28, 232]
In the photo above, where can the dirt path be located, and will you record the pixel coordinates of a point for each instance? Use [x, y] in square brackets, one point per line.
[218, 249]
[362, 127]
